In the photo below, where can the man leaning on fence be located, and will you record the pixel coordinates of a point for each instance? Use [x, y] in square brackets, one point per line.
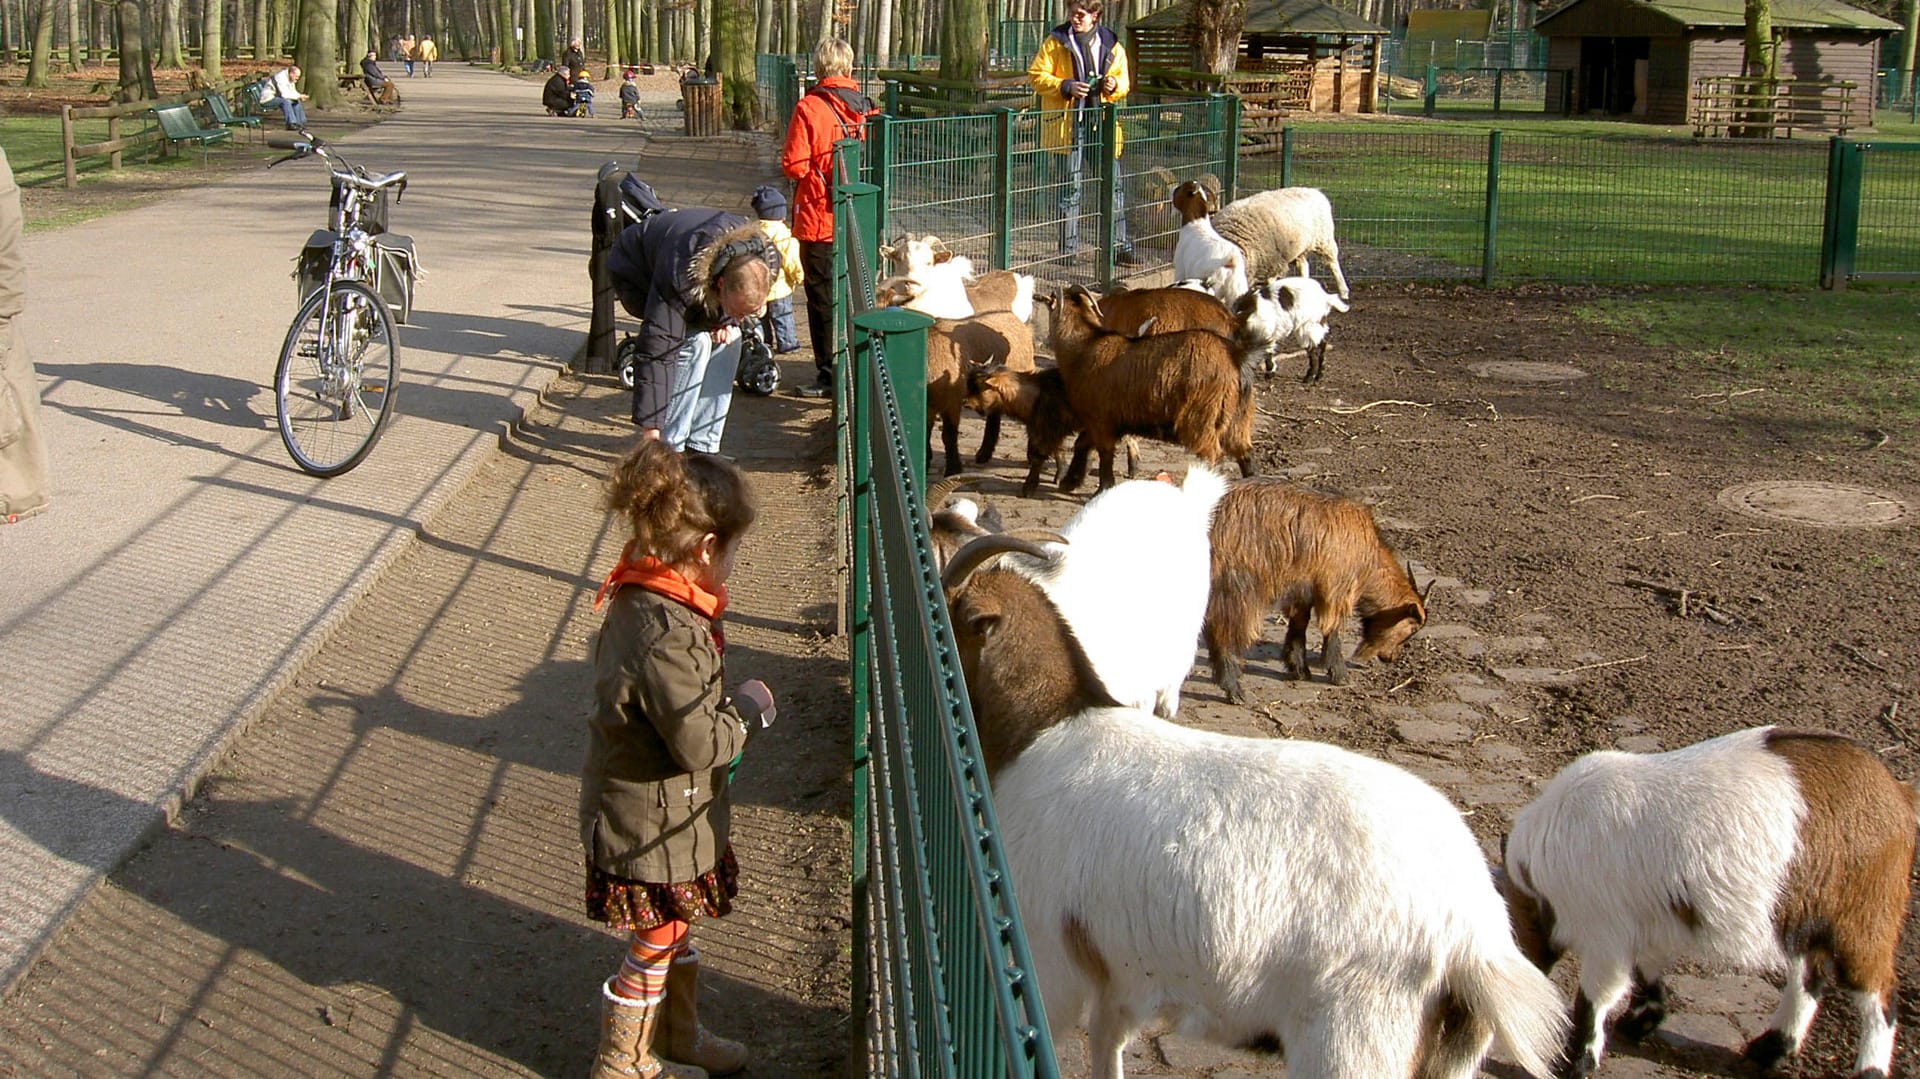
[1080, 66]
[834, 109]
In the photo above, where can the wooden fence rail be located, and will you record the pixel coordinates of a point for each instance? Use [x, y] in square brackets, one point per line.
[115, 144]
[1737, 105]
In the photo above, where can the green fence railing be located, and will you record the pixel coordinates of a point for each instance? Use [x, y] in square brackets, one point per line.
[993, 189]
[1873, 213]
[942, 976]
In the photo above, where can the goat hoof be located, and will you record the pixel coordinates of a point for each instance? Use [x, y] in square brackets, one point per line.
[1762, 1054]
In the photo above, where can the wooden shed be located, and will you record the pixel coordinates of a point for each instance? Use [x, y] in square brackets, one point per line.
[1294, 54]
[1643, 58]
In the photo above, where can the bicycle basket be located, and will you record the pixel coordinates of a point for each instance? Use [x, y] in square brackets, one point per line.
[395, 268]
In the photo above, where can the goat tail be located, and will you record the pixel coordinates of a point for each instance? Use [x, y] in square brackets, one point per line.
[1512, 997]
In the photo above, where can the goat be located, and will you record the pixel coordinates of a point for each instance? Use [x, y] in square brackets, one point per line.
[1297, 319]
[952, 523]
[1278, 229]
[1265, 893]
[1148, 311]
[1200, 252]
[1139, 642]
[1766, 850]
[1319, 555]
[924, 276]
[957, 347]
[1190, 387]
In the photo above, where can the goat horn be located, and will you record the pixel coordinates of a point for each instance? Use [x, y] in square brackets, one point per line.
[1421, 591]
[976, 553]
[941, 491]
[1039, 535]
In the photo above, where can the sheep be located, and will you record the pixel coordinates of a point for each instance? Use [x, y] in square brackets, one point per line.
[1766, 850]
[1202, 253]
[1297, 319]
[1320, 556]
[1189, 387]
[1139, 642]
[1263, 893]
[955, 347]
[1278, 229]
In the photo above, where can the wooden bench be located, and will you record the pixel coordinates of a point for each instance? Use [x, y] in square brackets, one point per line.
[177, 125]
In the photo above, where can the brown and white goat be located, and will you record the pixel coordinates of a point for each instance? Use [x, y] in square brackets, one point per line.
[1767, 850]
[1190, 387]
[955, 348]
[1322, 558]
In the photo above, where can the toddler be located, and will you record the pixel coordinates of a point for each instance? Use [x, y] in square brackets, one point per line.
[654, 805]
[771, 207]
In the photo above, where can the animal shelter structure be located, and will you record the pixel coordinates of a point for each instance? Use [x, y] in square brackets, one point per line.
[1648, 58]
[1295, 55]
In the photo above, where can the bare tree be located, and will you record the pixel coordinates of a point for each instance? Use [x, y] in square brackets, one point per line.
[1759, 58]
[733, 56]
[76, 40]
[212, 37]
[41, 57]
[171, 55]
[316, 54]
[963, 40]
[1908, 41]
[1216, 25]
[263, 44]
[359, 14]
[136, 64]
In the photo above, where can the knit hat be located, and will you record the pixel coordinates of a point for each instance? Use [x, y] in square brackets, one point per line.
[769, 203]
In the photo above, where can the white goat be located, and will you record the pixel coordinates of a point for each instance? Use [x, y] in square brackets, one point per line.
[1200, 252]
[1278, 229]
[1296, 321]
[1140, 641]
[1262, 893]
[1765, 850]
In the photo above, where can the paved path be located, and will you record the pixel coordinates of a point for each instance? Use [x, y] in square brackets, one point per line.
[186, 568]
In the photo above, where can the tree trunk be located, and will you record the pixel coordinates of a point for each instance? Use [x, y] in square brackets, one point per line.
[77, 39]
[542, 31]
[358, 32]
[170, 52]
[316, 55]
[262, 31]
[213, 14]
[136, 66]
[577, 22]
[1215, 26]
[1758, 60]
[963, 40]
[1908, 40]
[733, 57]
[39, 61]
[503, 13]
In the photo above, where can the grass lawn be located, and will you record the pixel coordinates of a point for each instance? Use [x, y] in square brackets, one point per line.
[1863, 343]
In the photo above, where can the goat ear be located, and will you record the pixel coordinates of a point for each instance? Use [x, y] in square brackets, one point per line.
[887, 251]
[1414, 583]
[941, 256]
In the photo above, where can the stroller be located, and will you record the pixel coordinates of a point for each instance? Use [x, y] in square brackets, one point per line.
[582, 90]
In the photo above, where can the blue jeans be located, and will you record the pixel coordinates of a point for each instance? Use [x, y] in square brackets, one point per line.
[1072, 163]
[702, 393]
[782, 335]
[293, 109]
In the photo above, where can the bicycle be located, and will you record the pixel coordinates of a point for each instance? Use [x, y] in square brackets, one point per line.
[340, 363]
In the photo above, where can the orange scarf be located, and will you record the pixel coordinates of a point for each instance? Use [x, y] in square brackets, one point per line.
[662, 580]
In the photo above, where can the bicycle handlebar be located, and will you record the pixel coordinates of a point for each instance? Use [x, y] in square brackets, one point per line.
[337, 164]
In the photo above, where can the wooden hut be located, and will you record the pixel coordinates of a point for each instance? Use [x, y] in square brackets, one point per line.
[1648, 58]
[1295, 55]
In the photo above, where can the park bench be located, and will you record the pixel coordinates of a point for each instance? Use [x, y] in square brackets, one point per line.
[223, 114]
[177, 125]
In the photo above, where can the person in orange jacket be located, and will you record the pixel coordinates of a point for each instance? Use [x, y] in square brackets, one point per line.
[834, 109]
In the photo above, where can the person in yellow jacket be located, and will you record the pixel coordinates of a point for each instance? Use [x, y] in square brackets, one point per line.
[1080, 66]
[771, 207]
[427, 52]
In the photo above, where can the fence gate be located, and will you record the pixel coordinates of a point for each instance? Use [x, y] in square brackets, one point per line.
[1872, 230]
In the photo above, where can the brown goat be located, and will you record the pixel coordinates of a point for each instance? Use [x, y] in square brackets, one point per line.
[1148, 311]
[953, 349]
[1190, 387]
[1319, 555]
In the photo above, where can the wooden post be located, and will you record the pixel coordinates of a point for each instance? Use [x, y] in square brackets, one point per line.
[704, 106]
[66, 144]
[1340, 77]
[113, 136]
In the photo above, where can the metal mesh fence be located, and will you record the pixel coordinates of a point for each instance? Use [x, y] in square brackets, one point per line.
[1888, 241]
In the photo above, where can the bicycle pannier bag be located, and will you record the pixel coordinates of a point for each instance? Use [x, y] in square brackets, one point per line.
[395, 267]
[310, 270]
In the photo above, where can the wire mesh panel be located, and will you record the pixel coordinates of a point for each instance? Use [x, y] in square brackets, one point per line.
[1888, 241]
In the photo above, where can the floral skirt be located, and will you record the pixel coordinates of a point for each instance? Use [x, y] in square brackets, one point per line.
[639, 904]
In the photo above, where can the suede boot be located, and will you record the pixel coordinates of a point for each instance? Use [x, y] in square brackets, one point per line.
[626, 1040]
[682, 1038]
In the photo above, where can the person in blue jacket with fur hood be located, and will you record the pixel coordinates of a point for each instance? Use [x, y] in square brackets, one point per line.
[692, 276]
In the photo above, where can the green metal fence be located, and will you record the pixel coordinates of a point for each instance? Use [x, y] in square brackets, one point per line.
[989, 186]
[1873, 213]
[943, 981]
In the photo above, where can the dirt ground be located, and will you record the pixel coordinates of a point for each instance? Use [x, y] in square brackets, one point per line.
[383, 879]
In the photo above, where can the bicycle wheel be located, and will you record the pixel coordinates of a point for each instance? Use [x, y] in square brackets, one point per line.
[335, 383]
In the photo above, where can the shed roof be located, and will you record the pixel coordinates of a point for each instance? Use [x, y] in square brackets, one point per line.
[1802, 14]
[1273, 17]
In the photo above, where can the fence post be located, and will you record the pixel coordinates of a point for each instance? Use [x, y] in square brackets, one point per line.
[66, 145]
[1492, 226]
[1230, 165]
[1109, 176]
[902, 336]
[1840, 231]
[1432, 87]
[1002, 188]
[1286, 156]
[1499, 77]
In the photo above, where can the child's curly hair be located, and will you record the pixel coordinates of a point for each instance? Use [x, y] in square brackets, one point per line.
[670, 501]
